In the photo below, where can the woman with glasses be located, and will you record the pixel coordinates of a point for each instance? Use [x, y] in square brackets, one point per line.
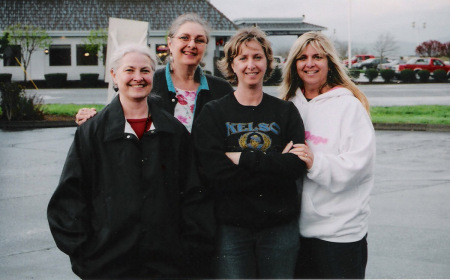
[183, 89]
[182, 85]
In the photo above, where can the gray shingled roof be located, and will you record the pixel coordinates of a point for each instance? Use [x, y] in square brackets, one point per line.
[280, 25]
[79, 15]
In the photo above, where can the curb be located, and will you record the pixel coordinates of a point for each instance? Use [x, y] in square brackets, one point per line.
[20, 125]
[412, 127]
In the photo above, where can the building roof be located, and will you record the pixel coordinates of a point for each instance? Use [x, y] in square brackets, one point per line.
[280, 26]
[85, 15]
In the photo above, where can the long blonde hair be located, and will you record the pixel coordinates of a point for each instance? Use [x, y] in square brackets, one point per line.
[338, 74]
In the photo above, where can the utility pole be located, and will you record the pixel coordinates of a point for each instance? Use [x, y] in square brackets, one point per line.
[349, 34]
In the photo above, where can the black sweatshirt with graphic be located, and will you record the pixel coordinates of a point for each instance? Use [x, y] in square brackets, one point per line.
[261, 190]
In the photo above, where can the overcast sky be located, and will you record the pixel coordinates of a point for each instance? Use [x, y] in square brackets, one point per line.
[369, 18]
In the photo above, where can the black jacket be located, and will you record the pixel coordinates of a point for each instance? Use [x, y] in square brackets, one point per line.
[218, 88]
[260, 191]
[126, 207]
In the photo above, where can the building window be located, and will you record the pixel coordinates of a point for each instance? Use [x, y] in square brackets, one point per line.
[60, 55]
[10, 55]
[85, 57]
[162, 51]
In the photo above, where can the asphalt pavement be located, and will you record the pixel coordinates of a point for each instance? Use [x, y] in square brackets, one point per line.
[409, 225]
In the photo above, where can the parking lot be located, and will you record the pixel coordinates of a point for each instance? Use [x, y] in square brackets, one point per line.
[408, 232]
[409, 225]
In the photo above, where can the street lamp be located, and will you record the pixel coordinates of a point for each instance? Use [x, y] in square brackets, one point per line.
[418, 28]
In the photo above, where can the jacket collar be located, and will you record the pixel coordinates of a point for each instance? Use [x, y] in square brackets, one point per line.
[115, 123]
[198, 75]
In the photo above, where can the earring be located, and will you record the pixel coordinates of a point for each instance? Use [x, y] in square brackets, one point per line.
[116, 88]
[170, 63]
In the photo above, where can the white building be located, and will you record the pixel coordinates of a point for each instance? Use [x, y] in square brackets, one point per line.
[69, 22]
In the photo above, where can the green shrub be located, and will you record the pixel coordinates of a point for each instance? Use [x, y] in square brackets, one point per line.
[16, 105]
[275, 78]
[387, 75]
[89, 79]
[440, 76]
[354, 73]
[56, 80]
[424, 75]
[5, 77]
[407, 75]
[371, 74]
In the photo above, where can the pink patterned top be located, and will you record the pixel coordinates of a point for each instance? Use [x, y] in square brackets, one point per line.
[184, 110]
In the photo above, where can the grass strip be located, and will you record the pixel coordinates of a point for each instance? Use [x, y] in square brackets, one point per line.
[419, 114]
[67, 109]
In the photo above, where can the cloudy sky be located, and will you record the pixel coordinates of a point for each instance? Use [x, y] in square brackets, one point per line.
[369, 18]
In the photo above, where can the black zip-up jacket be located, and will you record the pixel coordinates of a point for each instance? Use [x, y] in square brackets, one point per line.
[218, 88]
[126, 207]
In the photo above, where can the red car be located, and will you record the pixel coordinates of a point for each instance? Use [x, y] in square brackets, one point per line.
[423, 63]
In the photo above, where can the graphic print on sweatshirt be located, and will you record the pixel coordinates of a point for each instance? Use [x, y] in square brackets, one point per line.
[252, 136]
[315, 138]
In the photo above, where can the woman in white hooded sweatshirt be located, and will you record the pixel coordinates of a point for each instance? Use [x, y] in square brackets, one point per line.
[340, 158]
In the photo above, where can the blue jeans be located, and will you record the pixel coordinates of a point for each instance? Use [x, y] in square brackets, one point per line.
[250, 254]
[322, 259]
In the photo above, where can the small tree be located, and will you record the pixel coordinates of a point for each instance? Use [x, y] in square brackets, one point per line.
[407, 75]
[387, 75]
[17, 105]
[445, 49]
[275, 78]
[424, 75]
[29, 38]
[371, 74]
[429, 48]
[440, 75]
[97, 39]
[4, 44]
[384, 45]
[354, 73]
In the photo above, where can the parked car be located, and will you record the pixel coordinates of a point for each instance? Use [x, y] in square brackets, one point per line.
[371, 63]
[388, 65]
[278, 61]
[423, 63]
[358, 58]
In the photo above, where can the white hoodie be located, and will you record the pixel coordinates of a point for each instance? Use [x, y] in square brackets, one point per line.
[335, 201]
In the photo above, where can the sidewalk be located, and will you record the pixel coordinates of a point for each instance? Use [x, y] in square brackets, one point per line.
[409, 225]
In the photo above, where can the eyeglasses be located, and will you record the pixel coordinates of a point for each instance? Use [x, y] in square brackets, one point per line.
[198, 41]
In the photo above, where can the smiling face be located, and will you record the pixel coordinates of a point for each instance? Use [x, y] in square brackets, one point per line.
[134, 76]
[188, 44]
[312, 67]
[250, 64]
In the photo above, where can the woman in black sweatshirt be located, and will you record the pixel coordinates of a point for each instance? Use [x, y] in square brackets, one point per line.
[242, 142]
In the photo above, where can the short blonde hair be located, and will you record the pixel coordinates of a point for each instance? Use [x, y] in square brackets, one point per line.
[233, 47]
[338, 74]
